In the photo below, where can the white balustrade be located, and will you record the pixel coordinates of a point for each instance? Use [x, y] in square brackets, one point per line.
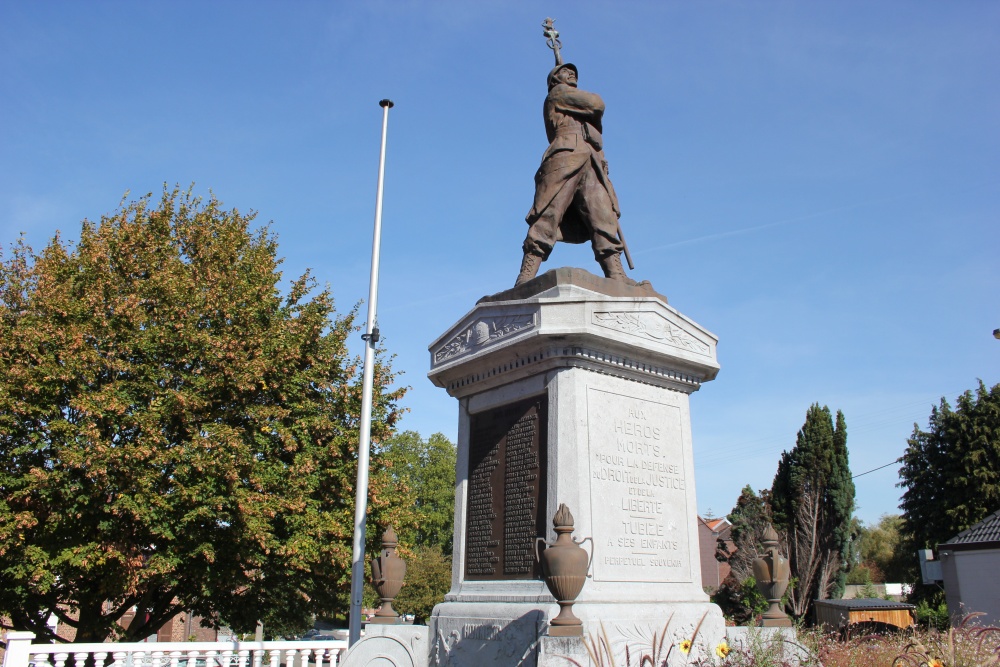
[21, 652]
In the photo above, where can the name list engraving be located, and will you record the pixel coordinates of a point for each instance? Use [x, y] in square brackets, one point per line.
[506, 491]
[637, 477]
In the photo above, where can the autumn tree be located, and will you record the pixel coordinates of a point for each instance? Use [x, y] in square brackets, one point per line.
[174, 433]
[951, 471]
[812, 500]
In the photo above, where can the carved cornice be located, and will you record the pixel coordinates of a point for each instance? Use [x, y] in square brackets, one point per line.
[583, 357]
[483, 332]
[650, 325]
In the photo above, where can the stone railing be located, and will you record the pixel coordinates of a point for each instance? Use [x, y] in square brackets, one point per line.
[21, 652]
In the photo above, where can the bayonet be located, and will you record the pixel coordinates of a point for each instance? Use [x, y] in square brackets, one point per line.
[552, 39]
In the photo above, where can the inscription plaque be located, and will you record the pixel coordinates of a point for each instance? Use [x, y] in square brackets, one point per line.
[504, 511]
[637, 478]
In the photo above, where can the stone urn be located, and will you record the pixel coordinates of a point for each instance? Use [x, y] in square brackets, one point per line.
[772, 574]
[564, 567]
[388, 571]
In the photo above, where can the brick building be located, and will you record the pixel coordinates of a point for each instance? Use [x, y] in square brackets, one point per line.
[710, 531]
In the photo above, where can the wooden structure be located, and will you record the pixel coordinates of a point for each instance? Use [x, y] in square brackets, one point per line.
[869, 613]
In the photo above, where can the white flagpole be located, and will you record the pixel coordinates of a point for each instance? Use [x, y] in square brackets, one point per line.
[364, 443]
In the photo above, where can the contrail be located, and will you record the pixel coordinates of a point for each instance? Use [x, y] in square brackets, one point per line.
[788, 221]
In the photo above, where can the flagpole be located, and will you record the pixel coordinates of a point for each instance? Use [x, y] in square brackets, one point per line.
[370, 337]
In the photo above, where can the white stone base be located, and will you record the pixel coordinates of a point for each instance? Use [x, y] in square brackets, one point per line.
[389, 646]
[615, 371]
[498, 634]
[468, 634]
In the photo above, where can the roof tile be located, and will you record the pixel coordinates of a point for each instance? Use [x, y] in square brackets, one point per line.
[987, 530]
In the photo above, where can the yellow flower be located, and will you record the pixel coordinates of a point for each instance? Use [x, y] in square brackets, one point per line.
[935, 663]
[686, 646]
[722, 650]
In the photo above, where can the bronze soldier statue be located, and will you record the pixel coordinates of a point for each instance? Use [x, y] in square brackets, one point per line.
[574, 199]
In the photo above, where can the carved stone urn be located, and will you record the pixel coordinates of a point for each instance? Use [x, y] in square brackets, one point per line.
[388, 571]
[564, 566]
[772, 574]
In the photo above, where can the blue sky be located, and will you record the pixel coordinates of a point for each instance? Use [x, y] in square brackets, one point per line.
[818, 184]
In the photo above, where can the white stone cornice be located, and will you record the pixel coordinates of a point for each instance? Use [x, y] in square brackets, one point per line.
[516, 367]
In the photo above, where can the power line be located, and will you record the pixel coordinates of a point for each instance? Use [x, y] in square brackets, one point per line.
[899, 460]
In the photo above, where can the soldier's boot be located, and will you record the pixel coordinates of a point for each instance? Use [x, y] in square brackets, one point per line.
[612, 266]
[529, 268]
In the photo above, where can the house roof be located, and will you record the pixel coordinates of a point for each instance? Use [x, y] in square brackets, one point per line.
[983, 535]
[716, 525]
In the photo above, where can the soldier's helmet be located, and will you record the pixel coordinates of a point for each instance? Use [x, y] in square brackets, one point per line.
[552, 75]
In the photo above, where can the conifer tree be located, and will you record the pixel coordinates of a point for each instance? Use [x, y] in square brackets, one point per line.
[812, 500]
[951, 471]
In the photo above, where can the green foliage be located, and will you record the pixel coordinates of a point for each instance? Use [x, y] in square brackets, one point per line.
[175, 434]
[428, 578]
[424, 475]
[933, 615]
[864, 573]
[812, 500]
[951, 471]
[868, 591]
[750, 518]
[739, 600]
[881, 551]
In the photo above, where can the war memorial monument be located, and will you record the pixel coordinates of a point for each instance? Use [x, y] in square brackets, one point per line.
[573, 389]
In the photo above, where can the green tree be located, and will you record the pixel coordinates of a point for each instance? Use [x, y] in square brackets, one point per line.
[880, 549]
[428, 578]
[175, 434]
[424, 473]
[737, 596]
[951, 471]
[740, 601]
[812, 500]
[750, 518]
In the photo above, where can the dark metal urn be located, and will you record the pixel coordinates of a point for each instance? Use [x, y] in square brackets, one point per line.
[564, 566]
[388, 571]
[772, 574]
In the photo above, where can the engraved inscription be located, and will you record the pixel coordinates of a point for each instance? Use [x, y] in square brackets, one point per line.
[652, 325]
[521, 502]
[506, 491]
[483, 633]
[637, 476]
[482, 558]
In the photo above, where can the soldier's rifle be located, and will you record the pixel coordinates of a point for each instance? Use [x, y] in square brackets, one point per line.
[552, 39]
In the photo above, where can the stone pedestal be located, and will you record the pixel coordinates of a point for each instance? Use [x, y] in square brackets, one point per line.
[389, 646]
[573, 389]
